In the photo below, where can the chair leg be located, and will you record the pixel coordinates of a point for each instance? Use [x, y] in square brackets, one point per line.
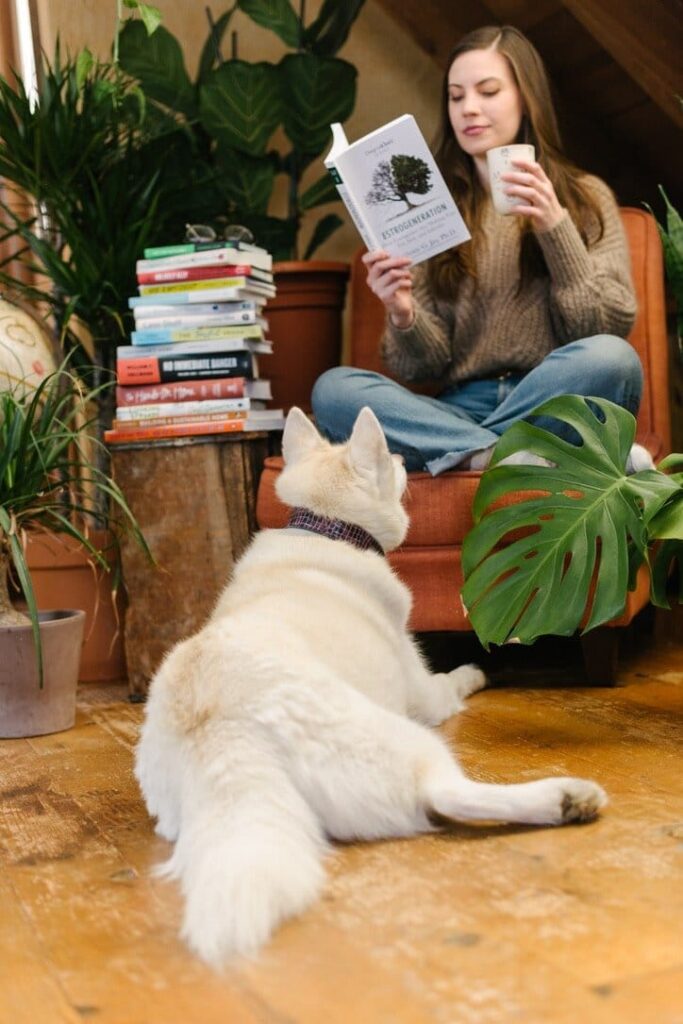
[600, 648]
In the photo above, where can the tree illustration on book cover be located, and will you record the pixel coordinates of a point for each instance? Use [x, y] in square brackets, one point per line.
[395, 178]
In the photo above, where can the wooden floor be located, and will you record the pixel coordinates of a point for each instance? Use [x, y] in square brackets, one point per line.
[484, 925]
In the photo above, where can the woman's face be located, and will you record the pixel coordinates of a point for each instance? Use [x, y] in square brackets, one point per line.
[484, 102]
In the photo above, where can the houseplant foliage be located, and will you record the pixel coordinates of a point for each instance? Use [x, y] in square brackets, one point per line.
[557, 548]
[232, 110]
[671, 234]
[49, 482]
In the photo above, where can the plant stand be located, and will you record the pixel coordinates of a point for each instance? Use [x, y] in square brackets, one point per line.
[194, 500]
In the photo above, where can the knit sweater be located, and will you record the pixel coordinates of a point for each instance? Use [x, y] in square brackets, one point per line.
[490, 328]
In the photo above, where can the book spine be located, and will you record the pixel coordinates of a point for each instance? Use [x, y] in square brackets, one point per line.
[216, 257]
[201, 409]
[354, 211]
[176, 349]
[159, 251]
[162, 421]
[190, 286]
[157, 370]
[203, 295]
[192, 274]
[148, 433]
[165, 336]
[187, 391]
[187, 321]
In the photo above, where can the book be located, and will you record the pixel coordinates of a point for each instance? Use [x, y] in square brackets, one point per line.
[212, 332]
[192, 391]
[245, 311]
[183, 248]
[190, 295]
[213, 284]
[194, 348]
[201, 427]
[197, 409]
[185, 321]
[394, 191]
[255, 415]
[156, 369]
[211, 258]
[175, 274]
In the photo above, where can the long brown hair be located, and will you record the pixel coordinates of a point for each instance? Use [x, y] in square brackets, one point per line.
[539, 128]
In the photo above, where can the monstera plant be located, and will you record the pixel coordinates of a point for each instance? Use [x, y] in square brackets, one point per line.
[232, 110]
[556, 548]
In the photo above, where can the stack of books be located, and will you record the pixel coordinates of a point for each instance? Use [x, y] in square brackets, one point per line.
[192, 365]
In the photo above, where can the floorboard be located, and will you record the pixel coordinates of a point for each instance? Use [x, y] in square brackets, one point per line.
[489, 925]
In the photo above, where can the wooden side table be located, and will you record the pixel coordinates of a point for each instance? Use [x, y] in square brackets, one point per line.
[194, 499]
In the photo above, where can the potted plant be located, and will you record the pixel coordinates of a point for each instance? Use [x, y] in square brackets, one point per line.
[231, 113]
[47, 482]
[671, 234]
[556, 548]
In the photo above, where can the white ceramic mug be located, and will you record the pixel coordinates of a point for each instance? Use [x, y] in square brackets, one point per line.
[499, 162]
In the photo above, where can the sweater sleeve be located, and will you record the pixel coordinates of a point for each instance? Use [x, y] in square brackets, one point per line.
[422, 350]
[591, 291]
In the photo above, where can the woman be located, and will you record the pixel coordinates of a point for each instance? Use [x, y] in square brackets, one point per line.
[536, 305]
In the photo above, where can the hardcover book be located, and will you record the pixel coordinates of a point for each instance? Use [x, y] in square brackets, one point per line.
[173, 274]
[394, 191]
[155, 369]
[201, 427]
[192, 391]
[211, 258]
[210, 285]
[191, 295]
[171, 410]
[210, 332]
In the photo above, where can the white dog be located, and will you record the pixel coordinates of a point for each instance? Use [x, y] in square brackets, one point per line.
[300, 711]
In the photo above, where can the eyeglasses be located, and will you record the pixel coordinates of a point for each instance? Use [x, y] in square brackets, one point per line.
[207, 233]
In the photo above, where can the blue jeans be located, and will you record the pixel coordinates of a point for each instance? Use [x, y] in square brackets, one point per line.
[439, 433]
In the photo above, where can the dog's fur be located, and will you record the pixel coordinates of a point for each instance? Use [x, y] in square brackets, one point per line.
[300, 712]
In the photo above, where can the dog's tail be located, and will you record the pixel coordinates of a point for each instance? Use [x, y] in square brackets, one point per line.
[250, 850]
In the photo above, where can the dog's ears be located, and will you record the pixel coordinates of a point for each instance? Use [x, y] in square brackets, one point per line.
[367, 445]
[299, 437]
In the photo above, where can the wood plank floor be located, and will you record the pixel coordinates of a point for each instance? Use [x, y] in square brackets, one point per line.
[480, 926]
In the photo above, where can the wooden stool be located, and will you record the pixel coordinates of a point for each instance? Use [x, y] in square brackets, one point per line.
[194, 499]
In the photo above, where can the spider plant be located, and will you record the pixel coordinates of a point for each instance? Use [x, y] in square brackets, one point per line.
[557, 548]
[49, 482]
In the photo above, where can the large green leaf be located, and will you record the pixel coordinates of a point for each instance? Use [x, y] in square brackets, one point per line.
[322, 191]
[325, 227]
[579, 526]
[328, 33]
[246, 181]
[318, 91]
[277, 15]
[157, 62]
[240, 105]
[211, 51]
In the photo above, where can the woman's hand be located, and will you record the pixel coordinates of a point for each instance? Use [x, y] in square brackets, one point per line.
[390, 279]
[539, 201]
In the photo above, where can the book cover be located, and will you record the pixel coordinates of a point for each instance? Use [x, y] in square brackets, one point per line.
[170, 430]
[192, 391]
[212, 284]
[191, 295]
[204, 407]
[172, 275]
[213, 257]
[211, 332]
[194, 348]
[200, 416]
[394, 192]
[154, 369]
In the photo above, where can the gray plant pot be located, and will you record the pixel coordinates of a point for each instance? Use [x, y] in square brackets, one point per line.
[25, 708]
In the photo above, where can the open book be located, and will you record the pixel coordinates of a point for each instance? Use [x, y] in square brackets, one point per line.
[394, 191]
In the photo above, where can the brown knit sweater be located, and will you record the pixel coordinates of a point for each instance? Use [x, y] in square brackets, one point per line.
[490, 329]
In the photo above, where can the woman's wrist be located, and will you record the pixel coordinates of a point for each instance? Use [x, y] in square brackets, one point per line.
[402, 321]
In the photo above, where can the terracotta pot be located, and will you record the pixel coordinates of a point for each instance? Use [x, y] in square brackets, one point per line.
[305, 319]
[26, 709]
[63, 576]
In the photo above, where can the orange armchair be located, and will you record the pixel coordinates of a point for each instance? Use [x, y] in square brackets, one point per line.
[429, 561]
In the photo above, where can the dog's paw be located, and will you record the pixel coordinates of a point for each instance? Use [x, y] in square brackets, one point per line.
[580, 800]
[467, 679]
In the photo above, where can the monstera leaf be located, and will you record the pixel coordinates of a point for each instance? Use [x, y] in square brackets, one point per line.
[557, 547]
